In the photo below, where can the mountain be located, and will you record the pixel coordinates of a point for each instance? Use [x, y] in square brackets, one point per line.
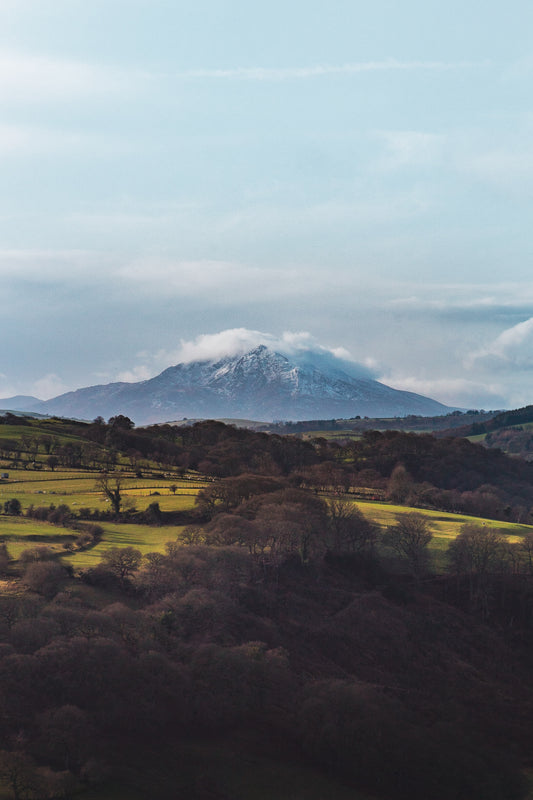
[21, 402]
[261, 384]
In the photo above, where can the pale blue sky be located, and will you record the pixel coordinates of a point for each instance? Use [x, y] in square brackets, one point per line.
[359, 171]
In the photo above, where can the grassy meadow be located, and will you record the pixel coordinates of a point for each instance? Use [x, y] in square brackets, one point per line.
[146, 538]
[20, 533]
[173, 491]
[78, 490]
[444, 526]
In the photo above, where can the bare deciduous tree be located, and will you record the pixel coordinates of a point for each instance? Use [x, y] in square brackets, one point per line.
[111, 488]
[348, 529]
[410, 538]
[475, 555]
[122, 561]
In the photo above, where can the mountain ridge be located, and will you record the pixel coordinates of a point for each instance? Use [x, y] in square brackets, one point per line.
[260, 384]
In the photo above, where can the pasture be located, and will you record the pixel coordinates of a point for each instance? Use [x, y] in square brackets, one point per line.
[146, 538]
[444, 526]
[20, 533]
[78, 489]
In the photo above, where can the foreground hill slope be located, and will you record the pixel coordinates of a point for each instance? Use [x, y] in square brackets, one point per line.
[311, 663]
[261, 384]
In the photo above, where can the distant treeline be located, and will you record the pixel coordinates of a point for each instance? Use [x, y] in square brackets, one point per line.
[504, 419]
[411, 422]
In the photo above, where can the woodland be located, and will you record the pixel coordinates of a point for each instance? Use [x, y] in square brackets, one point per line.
[283, 644]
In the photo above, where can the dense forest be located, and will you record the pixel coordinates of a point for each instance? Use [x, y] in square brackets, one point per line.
[387, 687]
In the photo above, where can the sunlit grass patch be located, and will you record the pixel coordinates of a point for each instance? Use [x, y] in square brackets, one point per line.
[27, 477]
[78, 489]
[444, 526]
[443, 522]
[20, 533]
[146, 538]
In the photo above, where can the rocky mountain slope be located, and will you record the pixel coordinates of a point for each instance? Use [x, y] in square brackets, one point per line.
[261, 384]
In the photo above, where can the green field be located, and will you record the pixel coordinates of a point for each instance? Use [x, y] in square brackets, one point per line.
[20, 533]
[442, 523]
[444, 526]
[37, 429]
[332, 435]
[146, 538]
[78, 489]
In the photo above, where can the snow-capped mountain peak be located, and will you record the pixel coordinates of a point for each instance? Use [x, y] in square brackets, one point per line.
[260, 384]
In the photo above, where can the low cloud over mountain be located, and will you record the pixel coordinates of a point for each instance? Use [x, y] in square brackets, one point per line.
[233, 375]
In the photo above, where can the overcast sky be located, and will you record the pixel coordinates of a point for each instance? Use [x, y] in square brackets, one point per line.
[358, 171]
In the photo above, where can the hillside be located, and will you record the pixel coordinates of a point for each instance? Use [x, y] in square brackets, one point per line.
[451, 473]
[203, 612]
[509, 431]
[502, 419]
[387, 690]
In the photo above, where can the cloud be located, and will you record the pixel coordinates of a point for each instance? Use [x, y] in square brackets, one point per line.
[503, 168]
[7, 389]
[521, 69]
[43, 79]
[48, 386]
[35, 141]
[459, 392]
[511, 350]
[421, 303]
[139, 373]
[219, 281]
[411, 148]
[237, 341]
[500, 156]
[231, 342]
[216, 281]
[468, 302]
[40, 79]
[153, 277]
[321, 70]
[49, 266]
[290, 218]
[187, 276]
[502, 160]
[44, 388]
